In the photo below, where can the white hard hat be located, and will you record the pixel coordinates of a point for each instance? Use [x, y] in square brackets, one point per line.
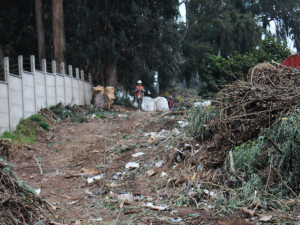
[139, 82]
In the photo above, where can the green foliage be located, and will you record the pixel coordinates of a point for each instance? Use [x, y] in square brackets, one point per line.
[178, 99]
[44, 125]
[25, 133]
[77, 114]
[39, 120]
[217, 71]
[123, 100]
[166, 95]
[203, 121]
[275, 165]
[35, 118]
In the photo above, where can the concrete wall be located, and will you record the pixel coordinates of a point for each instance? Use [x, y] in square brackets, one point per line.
[29, 94]
[4, 109]
[25, 94]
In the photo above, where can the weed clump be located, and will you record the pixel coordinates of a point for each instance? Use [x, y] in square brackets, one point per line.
[75, 113]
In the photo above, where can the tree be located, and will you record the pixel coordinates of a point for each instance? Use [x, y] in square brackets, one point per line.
[217, 71]
[124, 41]
[40, 31]
[59, 41]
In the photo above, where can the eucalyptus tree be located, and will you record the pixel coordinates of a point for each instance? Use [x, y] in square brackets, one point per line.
[122, 41]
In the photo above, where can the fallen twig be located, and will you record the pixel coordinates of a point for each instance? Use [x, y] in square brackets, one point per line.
[64, 196]
[41, 171]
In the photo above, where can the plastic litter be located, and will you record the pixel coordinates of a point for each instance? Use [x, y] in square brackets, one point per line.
[132, 165]
[127, 198]
[176, 220]
[151, 206]
[205, 103]
[150, 173]
[163, 174]
[159, 163]
[211, 193]
[98, 219]
[38, 191]
[138, 154]
[182, 124]
[118, 176]
[91, 179]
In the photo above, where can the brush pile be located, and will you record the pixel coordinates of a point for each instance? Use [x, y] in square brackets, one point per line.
[19, 203]
[247, 107]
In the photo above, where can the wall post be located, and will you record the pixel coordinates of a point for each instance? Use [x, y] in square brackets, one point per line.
[6, 75]
[44, 68]
[71, 75]
[77, 77]
[32, 65]
[82, 80]
[20, 66]
[54, 73]
[63, 72]
[6, 68]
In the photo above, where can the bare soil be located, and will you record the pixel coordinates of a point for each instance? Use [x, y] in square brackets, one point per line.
[106, 145]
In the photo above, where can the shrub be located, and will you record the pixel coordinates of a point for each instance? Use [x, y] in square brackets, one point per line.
[166, 95]
[35, 118]
[44, 125]
[178, 99]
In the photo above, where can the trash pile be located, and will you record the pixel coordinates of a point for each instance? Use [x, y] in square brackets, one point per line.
[19, 203]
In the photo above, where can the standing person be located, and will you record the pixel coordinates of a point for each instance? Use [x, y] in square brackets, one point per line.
[139, 92]
[171, 103]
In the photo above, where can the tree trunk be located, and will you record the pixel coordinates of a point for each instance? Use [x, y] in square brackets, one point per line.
[187, 18]
[110, 69]
[40, 31]
[58, 32]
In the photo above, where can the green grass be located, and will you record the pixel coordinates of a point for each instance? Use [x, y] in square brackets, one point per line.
[26, 130]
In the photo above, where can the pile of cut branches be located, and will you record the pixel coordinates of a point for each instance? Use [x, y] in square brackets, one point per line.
[247, 107]
[19, 204]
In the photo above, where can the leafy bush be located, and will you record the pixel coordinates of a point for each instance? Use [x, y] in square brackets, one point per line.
[44, 125]
[35, 118]
[203, 121]
[24, 133]
[216, 71]
[178, 99]
[123, 100]
[273, 158]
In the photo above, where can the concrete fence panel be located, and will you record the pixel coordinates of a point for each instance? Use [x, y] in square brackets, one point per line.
[51, 90]
[76, 93]
[88, 93]
[25, 94]
[60, 89]
[82, 93]
[68, 90]
[29, 95]
[4, 109]
[40, 84]
[15, 100]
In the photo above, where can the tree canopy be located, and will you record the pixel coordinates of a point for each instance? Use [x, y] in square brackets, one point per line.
[122, 41]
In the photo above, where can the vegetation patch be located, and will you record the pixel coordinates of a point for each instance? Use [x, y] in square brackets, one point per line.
[26, 130]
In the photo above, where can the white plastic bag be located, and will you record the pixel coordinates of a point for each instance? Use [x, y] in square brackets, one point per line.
[148, 104]
[161, 104]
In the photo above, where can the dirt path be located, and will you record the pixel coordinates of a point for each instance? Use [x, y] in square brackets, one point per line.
[105, 146]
